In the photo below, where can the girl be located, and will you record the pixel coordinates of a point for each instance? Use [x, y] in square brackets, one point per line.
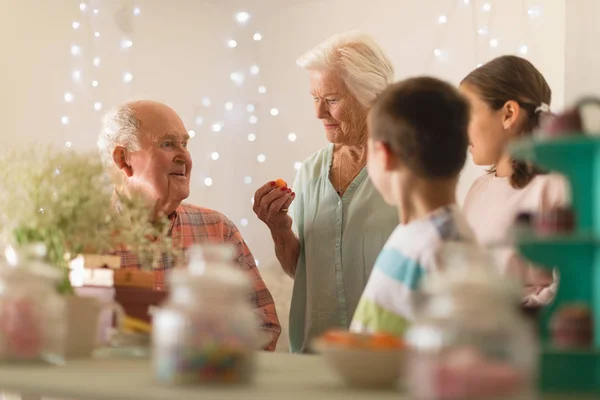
[509, 97]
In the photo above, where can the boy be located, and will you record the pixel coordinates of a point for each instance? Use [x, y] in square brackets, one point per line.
[417, 148]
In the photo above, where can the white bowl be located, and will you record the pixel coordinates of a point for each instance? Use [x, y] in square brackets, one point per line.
[361, 368]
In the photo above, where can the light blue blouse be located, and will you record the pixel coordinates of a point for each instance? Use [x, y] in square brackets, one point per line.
[340, 239]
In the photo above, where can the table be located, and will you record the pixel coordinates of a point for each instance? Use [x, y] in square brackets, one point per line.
[280, 376]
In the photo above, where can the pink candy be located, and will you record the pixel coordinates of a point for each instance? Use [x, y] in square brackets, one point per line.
[465, 374]
[21, 329]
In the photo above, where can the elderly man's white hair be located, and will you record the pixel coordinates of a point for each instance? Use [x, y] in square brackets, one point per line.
[366, 69]
[120, 127]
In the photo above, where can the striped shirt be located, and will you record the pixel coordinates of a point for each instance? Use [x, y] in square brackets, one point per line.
[388, 302]
[191, 225]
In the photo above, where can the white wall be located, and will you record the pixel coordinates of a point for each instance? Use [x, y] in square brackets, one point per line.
[582, 58]
[179, 55]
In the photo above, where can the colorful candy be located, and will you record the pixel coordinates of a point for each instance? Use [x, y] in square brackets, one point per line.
[209, 350]
[555, 221]
[572, 326]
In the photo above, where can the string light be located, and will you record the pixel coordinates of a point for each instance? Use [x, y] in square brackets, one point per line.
[217, 127]
[136, 11]
[292, 137]
[253, 119]
[244, 222]
[442, 19]
[229, 106]
[247, 180]
[214, 155]
[256, 262]
[76, 75]
[97, 106]
[437, 52]
[192, 133]
[208, 182]
[199, 120]
[487, 7]
[64, 120]
[257, 37]
[75, 50]
[262, 90]
[206, 102]
[251, 137]
[297, 165]
[242, 17]
[237, 77]
[95, 83]
[97, 34]
[523, 49]
[96, 11]
[126, 44]
[82, 6]
[466, 2]
[96, 61]
[534, 12]
[261, 158]
[482, 30]
[76, 25]
[127, 77]
[254, 69]
[68, 144]
[274, 112]
[68, 97]
[479, 65]
[232, 43]
[494, 42]
[250, 108]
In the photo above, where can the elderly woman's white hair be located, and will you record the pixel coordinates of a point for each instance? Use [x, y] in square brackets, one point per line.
[366, 69]
[120, 127]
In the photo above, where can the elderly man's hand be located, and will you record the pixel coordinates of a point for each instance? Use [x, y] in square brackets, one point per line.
[271, 204]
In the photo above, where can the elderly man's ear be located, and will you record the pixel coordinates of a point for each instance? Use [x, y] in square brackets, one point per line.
[121, 159]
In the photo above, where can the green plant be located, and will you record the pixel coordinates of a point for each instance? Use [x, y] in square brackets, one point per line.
[66, 200]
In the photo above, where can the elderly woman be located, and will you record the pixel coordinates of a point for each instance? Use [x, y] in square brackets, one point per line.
[337, 222]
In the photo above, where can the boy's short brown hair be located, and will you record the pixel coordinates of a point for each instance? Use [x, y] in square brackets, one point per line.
[424, 123]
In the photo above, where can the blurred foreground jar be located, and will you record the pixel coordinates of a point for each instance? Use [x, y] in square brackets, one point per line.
[33, 323]
[206, 331]
[469, 339]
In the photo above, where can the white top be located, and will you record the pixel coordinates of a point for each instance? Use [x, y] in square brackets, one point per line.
[491, 207]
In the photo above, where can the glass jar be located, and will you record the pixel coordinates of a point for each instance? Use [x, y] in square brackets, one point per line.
[32, 313]
[469, 339]
[206, 331]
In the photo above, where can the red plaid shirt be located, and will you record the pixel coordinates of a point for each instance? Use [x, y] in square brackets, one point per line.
[190, 225]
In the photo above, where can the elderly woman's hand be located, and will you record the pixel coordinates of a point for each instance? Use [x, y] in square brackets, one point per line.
[271, 204]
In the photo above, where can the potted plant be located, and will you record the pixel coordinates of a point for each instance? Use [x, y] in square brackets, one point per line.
[66, 201]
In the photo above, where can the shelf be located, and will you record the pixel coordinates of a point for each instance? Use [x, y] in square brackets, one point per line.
[577, 158]
[553, 152]
[570, 371]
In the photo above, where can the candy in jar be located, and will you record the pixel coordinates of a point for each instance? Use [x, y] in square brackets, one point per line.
[207, 331]
[32, 313]
[469, 340]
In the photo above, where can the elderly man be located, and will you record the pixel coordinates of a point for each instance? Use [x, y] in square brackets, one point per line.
[147, 142]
